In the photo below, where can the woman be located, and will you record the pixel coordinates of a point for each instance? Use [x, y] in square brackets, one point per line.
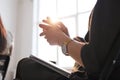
[6, 46]
[103, 32]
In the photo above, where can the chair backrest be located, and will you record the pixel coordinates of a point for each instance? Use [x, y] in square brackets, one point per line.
[4, 61]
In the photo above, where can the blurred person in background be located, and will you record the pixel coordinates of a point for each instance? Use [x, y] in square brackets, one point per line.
[6, 46]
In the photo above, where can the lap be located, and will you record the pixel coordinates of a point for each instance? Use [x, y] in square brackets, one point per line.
[28, 69]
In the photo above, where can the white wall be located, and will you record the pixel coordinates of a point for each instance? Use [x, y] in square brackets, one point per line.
[24, 28]
[17, 16]
[8, 10]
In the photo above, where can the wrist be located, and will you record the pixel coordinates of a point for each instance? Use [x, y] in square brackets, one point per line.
[67, 42]
[64, 46]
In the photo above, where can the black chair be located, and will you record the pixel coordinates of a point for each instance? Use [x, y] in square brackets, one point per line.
[4, 61]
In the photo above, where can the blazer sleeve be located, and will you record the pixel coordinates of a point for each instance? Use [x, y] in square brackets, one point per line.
[104, 28]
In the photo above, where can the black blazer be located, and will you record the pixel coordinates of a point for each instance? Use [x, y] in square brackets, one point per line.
[105, 27]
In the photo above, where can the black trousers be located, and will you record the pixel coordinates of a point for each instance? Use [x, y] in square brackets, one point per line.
[28, 69]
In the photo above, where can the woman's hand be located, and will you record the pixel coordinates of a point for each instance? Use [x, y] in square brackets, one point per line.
[55, 33]
[48, 20]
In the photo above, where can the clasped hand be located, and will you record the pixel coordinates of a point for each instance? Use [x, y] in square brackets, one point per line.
[54, 33]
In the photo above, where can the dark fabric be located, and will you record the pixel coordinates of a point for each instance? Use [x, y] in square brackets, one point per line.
[28, 69]
[115, 74]
[105, 26]
[87, 37]
[78, 76]
[4, 61]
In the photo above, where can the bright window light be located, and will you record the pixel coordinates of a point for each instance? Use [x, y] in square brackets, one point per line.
[73, 13]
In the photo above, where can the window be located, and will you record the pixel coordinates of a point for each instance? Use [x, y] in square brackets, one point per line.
[73, 13]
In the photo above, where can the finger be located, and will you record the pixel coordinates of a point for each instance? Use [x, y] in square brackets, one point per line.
[62, 27]
[60, 23]
[42, 34]
[48, 20]
[76, 39]
[44, 30]
[44, 26]
[45, 37]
